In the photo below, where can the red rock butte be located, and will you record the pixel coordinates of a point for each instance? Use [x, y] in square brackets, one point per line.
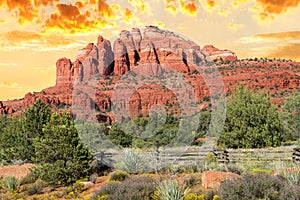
[147, 51]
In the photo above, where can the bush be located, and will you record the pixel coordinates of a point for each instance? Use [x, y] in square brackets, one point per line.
[132, 163]
[36, 188]
[258, 186]
[192, 196]
[118, 176]
[9, 183]
[170, 190]
[135, 188]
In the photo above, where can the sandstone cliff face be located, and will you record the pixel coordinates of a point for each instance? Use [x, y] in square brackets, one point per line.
[122, 63]
[215, 54]
[149, 54]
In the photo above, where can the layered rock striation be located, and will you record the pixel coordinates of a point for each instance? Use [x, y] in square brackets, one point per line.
[142, 55]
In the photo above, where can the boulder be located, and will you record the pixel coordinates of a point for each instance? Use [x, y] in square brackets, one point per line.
[213, 179]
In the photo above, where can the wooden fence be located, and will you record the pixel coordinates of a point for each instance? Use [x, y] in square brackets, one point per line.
[194, 155]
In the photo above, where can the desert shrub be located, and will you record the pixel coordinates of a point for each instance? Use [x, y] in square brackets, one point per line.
[233, 168]
[169, 190]
[210, 195]
[258, 170]
[93, 177]
[192, 196]
[118, 176]
[134, 188]
[131, 162]
[210, 158]
[258, 186]
[293, 178]
[36, 188]
[9, 183]
[30, 178]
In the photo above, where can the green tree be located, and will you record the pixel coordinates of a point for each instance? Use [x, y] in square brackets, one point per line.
[118, 137]
[35, 117]
[3, 122]
[13, 142]
[290, 116]
[62, 156]
[252, 121]
[17, 137]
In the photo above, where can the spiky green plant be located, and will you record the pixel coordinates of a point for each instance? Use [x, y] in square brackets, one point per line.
[169, 190]
[10, 183]
[132, 163]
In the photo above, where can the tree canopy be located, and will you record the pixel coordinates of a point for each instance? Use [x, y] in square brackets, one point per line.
[252, 121]
[290, 116]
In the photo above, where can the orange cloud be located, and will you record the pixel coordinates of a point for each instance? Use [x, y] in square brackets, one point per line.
[281, 35]
[189, 8]
[128, 15]
[25, 10]
[140, 5]
[24, 39]
[210, 4]
[9, 84]
[160, 24]
[223, 12]
[236, 3]
[288, 51]
[268, 8]
[106, 10]
[68, 18]
[171, 9]
[235, 27]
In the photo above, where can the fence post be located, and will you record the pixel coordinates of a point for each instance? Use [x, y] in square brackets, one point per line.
[222, 156]
[296, 154]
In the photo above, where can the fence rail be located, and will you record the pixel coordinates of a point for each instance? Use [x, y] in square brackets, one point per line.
[192, 156]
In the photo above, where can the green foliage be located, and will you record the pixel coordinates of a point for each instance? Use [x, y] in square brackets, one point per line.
[62, 156]
[17, 137]
[258, 186]
[293, 177]
[192, 196]
[36, 188]
[118, 137]
[3, 122]
[258, 170]
[252, 121]
[118, 176]
[290, 115]
[170, 190]
[9, 183]
[131, 162]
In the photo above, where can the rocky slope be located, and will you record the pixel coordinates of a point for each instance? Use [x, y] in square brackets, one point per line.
[137, 56]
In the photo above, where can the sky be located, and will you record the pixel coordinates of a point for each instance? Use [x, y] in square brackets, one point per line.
[34, 34]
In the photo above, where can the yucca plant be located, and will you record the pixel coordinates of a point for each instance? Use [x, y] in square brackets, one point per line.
[132, 163]
[10, 183]
[169, 190]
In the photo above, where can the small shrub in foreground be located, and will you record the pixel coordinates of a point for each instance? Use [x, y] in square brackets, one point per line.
[9, 183]
[118, 176]
[134, 188]
[258, 186]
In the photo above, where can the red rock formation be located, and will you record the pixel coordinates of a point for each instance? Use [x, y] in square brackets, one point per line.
[127, 40]
[214, 54]
[105, 56]
[122, 63]
[157, 51]
[213, 179]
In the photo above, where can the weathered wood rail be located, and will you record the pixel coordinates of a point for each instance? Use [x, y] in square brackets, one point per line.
[194, 155]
